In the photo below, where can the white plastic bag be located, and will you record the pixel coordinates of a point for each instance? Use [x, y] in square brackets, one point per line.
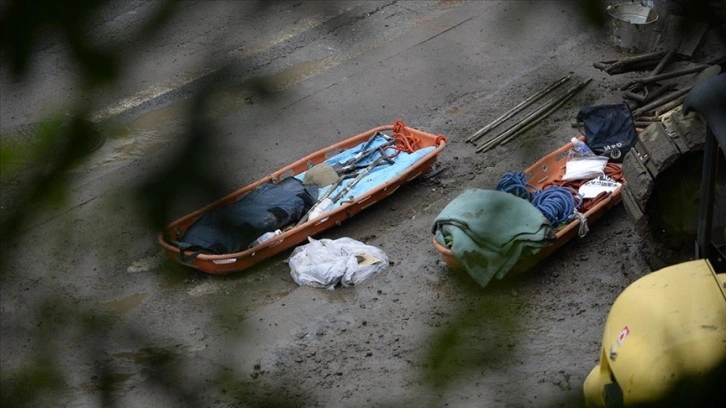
[582, 163]
[594, 187]
[323, 263]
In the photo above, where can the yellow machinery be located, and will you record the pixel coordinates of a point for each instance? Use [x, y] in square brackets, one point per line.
[664, 342]
[665, 333]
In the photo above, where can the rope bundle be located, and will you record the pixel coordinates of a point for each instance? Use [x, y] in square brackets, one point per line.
[558, 204]
[405, 142]
[516, 183]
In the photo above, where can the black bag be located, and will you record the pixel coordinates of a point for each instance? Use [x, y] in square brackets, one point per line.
[266, 208]
[609, 129]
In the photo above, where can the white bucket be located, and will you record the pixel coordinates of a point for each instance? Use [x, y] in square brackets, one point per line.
[633, 27]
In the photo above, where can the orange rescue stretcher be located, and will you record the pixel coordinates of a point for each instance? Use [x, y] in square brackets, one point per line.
[422, 146]
[547, 171]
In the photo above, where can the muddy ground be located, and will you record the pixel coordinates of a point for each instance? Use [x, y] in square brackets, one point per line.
[417, 334]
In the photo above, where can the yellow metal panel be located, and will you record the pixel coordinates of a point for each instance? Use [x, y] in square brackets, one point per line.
[663, 328]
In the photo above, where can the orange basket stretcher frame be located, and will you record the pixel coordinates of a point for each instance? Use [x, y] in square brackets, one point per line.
[234, 262]
[545, 170]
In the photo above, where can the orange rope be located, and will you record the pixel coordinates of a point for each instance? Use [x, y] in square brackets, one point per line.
[404, 142]
[408, 144]
[399, 127]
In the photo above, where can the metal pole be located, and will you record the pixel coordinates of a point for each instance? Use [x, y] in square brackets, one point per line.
[553, 102]
[538, 119]
[667, 75]
[661, 101]
[708, 186]
[496, 122]
[633, 60]
[665, 61]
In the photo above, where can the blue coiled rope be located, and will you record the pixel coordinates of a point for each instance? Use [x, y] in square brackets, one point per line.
[516, 183]
[557, 204]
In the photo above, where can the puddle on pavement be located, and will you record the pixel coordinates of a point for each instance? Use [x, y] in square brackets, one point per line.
[250, 298]
[122, 369]
[233, 322]
[262, 297]
[205, 288]
[339, 295]
[258, 299]
[127, 304]
[148, 133]
[145, 264]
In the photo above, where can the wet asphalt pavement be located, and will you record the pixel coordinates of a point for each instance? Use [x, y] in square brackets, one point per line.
[255, 338]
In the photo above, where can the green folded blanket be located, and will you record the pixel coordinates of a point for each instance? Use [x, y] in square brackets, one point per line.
[488, 231]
